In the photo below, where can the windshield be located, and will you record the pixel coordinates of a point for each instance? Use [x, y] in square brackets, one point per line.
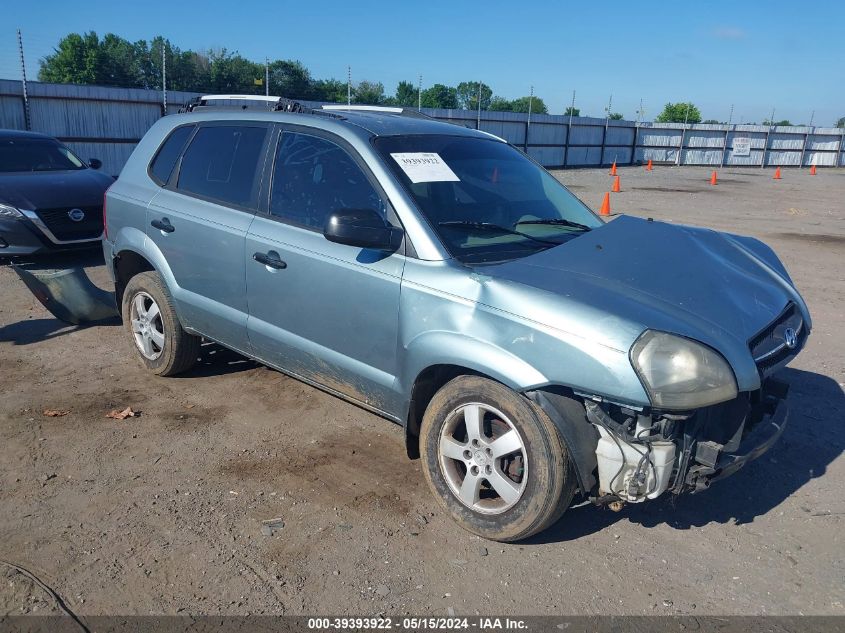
[35, 154]
[486, 200]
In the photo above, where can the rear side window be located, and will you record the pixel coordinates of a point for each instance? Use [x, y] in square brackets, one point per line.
[222, 163]
[165, 160]
[313, 177]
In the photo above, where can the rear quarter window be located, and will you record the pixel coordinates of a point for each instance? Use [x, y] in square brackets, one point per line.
[165, 159]
[221, 163]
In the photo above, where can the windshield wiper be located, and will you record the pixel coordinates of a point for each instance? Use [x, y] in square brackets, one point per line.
[489, 226]
[558, 222]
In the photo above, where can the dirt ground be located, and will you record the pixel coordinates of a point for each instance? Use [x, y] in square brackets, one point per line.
[162, 513]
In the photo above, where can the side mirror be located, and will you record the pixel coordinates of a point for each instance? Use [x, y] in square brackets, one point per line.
[363, 228]
[95, 163]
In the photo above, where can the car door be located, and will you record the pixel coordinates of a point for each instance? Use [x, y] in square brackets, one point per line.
[199, 222]
[323, 311]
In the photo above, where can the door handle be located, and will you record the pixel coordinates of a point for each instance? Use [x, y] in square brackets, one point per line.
[163, 225]
[272, 261]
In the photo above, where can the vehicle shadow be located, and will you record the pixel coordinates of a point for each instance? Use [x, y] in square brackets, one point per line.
[37, 330]
[216, 360]
[811, 441]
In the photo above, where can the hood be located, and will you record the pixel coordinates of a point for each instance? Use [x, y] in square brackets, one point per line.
[632, 274]
[51, 189]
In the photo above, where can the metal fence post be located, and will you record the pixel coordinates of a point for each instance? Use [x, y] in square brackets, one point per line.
[634, 142]
[27, 121]
[765, 148]
[840, 156]
[804, 147]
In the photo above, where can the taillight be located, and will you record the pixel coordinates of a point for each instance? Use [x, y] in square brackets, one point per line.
[105, 224]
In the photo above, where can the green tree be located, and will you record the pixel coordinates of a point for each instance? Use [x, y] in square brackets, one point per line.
[75, 60]
[500, 104]
[440, 96]
[331, 90]
[369, 93]
[783, 122]
[521, 105]
[572, 111]
[615, 116]
[678, 113]
[841, 122]
[231, 73]
[290, 78]
[467, 93]
[712, 121]
[406, 94]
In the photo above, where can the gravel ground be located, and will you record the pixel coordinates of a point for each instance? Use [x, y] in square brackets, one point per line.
[162, 513]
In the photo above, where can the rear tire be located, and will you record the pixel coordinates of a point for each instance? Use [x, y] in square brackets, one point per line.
[161, 343]
[503, 491]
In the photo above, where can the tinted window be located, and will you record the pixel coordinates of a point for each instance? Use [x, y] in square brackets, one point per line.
[35, 154]
[164, 162]
[313, 177]
[222, 163]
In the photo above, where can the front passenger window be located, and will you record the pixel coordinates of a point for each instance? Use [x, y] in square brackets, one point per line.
[313, 177]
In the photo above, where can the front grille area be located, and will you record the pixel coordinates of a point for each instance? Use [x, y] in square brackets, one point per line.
[65, 229]
[769, 347]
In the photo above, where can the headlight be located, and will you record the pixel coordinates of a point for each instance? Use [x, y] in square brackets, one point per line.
[681, 374]
[9, 212]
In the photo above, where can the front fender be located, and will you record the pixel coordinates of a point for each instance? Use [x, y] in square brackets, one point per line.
[450, 348]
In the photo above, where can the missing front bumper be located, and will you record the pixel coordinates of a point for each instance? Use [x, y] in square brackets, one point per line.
[713, 462]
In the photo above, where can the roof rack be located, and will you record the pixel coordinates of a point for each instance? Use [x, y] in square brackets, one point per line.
[246, 102]
[407, 112]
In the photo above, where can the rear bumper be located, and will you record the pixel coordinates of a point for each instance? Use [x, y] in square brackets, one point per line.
[712, 461]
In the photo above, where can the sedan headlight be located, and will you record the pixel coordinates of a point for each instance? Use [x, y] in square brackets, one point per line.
[9, 212]
[681, 374]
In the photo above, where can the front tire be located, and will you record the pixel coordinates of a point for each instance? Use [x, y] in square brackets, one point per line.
[494, 460]
[163, 346]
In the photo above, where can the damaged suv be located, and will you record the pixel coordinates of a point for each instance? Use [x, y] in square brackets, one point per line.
[439, 278]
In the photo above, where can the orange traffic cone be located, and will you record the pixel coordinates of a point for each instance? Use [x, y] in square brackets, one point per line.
[613, 169]
[777, 174]
[713, 179]
[615, 188]
[605, 205]
[813, 170]
[649, 167]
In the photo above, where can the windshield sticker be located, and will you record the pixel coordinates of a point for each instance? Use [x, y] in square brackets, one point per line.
[424, 167]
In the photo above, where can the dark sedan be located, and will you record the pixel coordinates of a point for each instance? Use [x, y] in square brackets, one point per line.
[50, 199]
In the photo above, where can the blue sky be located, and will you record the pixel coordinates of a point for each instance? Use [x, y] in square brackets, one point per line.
[789, 56]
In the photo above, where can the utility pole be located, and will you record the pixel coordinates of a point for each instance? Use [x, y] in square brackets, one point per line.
[26, 118]
[163, 79]
[349, 85]
[478, 120]
[266, 76]
[683, 134]
[528, 121]
[419, 94]
[569, 130]
[727, 133]
[606, 124]
[812, 116]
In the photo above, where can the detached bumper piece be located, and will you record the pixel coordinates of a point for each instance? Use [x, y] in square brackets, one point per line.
[707, 460]
[68, 294]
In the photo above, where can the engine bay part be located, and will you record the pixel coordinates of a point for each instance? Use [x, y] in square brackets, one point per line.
[635, 456]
